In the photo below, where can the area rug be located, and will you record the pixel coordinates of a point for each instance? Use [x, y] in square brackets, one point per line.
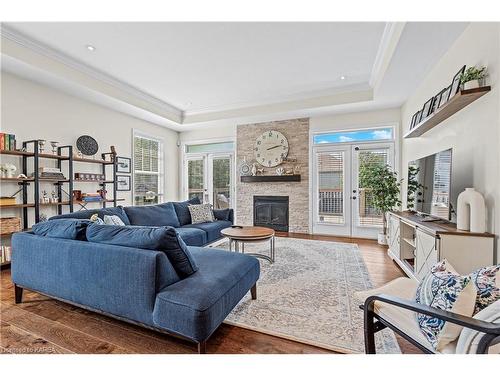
[307, 295]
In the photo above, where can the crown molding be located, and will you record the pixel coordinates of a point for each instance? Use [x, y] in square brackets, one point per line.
[46, 51]
[388, 43]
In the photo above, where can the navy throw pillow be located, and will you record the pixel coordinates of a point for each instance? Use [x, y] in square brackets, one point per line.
[71, 229]
[155, 215]
[182, 210]
[222, 214]
[165, 239]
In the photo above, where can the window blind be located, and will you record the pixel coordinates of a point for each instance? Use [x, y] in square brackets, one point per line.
[148, 178]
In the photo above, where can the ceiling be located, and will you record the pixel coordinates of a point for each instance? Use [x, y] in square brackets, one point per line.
[181, 74]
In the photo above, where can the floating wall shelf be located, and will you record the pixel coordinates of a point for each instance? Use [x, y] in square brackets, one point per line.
[459, 101]
[283, 178]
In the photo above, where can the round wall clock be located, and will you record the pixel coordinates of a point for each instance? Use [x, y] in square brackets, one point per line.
[271, 148]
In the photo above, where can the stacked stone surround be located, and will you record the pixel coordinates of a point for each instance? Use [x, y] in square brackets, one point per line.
[297, 133]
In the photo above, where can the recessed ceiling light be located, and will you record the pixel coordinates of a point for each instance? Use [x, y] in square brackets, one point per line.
[342, 77]
[90, 47]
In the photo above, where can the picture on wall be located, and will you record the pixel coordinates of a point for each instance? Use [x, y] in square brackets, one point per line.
[123, 165]
[123, 183]
[445, 96]
[426, 111]
[455, 84]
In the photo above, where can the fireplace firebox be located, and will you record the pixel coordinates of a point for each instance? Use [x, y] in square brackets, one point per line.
[271, 212]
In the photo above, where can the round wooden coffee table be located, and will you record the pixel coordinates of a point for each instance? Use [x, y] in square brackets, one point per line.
[239, 235]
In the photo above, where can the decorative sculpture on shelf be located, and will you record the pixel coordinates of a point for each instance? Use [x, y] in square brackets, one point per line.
[471, 211]
[8, 170]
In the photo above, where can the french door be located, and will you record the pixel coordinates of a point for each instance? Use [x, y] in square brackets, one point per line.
[342, 206]
[210, 178]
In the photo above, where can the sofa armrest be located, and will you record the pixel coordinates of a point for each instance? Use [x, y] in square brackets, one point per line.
[115, 279]
[461, 320]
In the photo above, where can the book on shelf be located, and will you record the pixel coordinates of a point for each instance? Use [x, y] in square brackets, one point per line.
[7, 142]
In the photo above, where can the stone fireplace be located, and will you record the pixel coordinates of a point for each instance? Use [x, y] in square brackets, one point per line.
[297, 133]
[271, 211]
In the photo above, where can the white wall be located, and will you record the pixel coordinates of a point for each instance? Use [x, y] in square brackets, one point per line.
[473, 133]
[33, 111]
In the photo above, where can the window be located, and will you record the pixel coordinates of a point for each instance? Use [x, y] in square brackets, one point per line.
[148, 170]
[210, 147]
[367, 135]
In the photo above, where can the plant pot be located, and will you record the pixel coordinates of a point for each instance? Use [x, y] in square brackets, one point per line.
[474, 84]
[382, 239]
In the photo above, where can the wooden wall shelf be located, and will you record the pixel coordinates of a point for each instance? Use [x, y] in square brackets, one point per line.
[458, 102]
[96, 161]
[283, 178]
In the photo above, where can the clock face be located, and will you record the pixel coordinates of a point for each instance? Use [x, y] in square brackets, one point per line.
[271, 148]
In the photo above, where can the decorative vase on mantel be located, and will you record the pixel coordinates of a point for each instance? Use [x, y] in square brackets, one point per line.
[471, 211]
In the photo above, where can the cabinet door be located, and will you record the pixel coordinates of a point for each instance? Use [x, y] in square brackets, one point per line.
[426, 254]
[394, 236]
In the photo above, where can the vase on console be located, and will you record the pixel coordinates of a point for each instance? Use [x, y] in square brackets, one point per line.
[471, 211]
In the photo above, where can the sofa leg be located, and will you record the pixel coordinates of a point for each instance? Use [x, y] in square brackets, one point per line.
[369, 330]
[202, 347]
[18, 291]
[253, 291]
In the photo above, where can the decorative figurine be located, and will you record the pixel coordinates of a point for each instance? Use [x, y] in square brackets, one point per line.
[41, 144]
[254, 170]
[7, 170]
[280, 171]
[54, 146]
[45, 197]
[53, 198]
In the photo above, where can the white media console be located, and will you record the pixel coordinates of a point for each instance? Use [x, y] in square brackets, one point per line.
[415, 245]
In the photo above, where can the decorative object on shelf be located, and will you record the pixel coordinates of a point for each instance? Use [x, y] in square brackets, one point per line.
[270, 148]
[296, 169]
[87, 145]
[245, 169]
[123, 164]
[112, 154]
[7, 201]
[414, 121]
[53, 197]
[22, 176]
[384, 186]
[54, 146]
[254, 169]
[45, 197]
[102, 193]
[437, 100]
[122, 183]
[51, 173]
[10, 225]
[89, 176]
[445, 97]
[473, 77]
[77, 195]
[455, 84]
[91, 197]
[471, 211]
[41, 145]
[7, 170]
[280, 171]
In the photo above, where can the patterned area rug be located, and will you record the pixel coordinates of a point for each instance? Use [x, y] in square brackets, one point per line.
[307, 296]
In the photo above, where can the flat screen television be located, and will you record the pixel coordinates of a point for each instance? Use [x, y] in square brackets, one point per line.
[429, 186]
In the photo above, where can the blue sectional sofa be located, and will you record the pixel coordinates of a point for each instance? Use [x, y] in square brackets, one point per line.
[129, 282]
[174, 214]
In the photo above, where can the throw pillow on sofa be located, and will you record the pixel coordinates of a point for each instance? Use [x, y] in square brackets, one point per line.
[165, 239]
[201, 213]
[153, 215]
[71, 229]
[87, 214]
[487, 282]
[447, 291]
[113, 220]
[182, 210]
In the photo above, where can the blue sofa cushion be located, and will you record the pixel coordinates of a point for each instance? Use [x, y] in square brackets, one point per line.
[155, 215]
[182, 210]
[164, 239]
[197, 305]
[71, 229]
[86, 214]
[193, 236]
[212, 229]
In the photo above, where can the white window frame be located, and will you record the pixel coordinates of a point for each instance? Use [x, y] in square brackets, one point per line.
[161, 164]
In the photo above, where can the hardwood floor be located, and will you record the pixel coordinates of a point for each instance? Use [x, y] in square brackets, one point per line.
[43, 325]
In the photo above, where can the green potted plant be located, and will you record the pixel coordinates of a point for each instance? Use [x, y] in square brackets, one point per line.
[414, 188]
[382, 187]
[473, 77]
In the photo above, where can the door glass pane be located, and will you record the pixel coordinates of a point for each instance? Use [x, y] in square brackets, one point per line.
[221, 183]
[367, 214]
[331, 187]
[195, 178]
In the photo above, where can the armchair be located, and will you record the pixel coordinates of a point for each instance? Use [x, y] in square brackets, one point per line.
[390, 307]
